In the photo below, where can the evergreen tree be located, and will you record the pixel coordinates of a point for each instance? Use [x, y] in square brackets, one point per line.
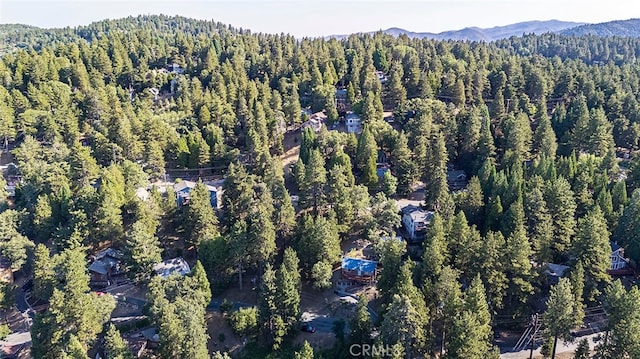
[307, 144]
[318, 243]
[390, 259]
[591, 247]
[403, 166]
[339, 195]
[562, 207]
[619, 196]
[559, 318]
[472, 201]
[582, 350]
[73, 312]
[315, 181]
[275, 327]
[404, 324]
[494, 212]
[389, 184]
[628, 230]
[306, 352]
[544, 138]
[492, 268]
[202, 219]
[518, 269]
[284, 214]
[367, 148]
[142, 251]
[577, 284]
[288, 284]
[471, 332]
[464, 341]
[437, 194]
[621, 305]
[361, 325]
[116, 347]
[539, 222]
[435, 254]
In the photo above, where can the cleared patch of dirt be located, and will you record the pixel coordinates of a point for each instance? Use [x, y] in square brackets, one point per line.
[217, 328]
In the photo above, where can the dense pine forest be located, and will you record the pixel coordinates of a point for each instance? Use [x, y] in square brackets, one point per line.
[99, 124]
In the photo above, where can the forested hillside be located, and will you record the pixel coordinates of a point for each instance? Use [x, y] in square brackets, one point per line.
[546, 129]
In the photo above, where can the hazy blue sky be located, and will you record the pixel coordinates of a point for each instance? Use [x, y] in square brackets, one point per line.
[315, 17]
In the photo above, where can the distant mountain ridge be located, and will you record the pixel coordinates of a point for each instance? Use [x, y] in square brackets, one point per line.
[629, 28]
[488, 34]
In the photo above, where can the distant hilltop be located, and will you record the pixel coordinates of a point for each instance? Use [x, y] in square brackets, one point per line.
[630, 28]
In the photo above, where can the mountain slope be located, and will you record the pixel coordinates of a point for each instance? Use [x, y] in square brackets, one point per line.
[629, 28]
[489, 34]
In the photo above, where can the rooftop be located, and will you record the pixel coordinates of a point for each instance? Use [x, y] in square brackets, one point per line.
[614, 246]
[555, 270]
[176, 265]
[417, 214]
[358, 265]
[190, 184]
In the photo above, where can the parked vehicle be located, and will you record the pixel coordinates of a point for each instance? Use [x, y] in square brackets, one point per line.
[308, 328]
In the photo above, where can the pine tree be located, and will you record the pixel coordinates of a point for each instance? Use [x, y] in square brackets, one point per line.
[396, 93]
[559, 318]
[306, 352]
[591, 247]
[261, 233]
[518, 269]
[142, 250]
[73, 312]
[403, 166]
[404, 324]
[361, 325]
[339, 195]
[268, 308]
[513, 218]
[437, 194]
[116, 347]
[284, 214]
[369, 175]
[619, 196]
[390, 259]
[367, 149]
[471, 332]
[492, 268]
[562, 207]
[539, 221]
[288, 284]
[472, 202]
[577, 284]
[202, 219]
[389, 184]
[435, 254]
[623, 313]
[600, 137]
[198, 283]
[315, 180]
[318, 243]
[494, 212]
[628, 229]
[299, 170]
[544, 138]
[486, 146]
[43, 273]
[518, 136]
[582, 350]
[307, 144]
